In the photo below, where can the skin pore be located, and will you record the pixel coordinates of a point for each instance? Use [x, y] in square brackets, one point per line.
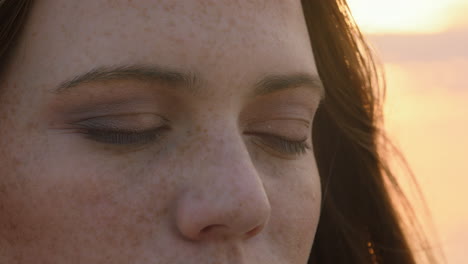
[166, 131]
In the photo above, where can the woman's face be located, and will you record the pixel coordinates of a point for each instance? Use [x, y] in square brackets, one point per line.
[159, 132]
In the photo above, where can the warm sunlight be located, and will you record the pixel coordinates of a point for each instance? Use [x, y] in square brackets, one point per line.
[406, 16]
[421, 45]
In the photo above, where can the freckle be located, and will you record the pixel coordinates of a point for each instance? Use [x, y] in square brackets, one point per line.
[169, 7]
[145, 14]
[178, 40]
[31, 126]
[183, 149]
[170, 23]
[164, 211]
[232, 22]
[314, 196]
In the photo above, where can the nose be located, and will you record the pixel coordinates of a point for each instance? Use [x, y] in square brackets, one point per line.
[226, 198]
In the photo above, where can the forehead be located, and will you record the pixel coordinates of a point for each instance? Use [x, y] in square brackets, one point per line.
[218, 37]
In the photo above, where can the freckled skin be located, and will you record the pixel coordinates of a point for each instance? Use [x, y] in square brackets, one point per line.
[203, 193]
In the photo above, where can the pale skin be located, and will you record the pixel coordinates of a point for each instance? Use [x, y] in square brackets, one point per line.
[205, 177]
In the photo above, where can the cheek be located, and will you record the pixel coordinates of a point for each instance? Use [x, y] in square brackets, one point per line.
[55, 196]
[295, 199]
[21, 184]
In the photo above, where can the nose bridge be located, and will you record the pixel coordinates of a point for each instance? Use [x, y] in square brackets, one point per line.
[226, 196]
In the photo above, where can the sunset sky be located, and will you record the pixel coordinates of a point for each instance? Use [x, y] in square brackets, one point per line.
[423, 45]
[409, 17]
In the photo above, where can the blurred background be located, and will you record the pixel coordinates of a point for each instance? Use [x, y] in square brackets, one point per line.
[423, 47]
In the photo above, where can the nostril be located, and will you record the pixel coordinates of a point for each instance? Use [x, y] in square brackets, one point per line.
[209, 228]
[221, 230]
[254, 231]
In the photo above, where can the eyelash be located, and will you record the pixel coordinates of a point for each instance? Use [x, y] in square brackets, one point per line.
[286, 146]
[124, 137]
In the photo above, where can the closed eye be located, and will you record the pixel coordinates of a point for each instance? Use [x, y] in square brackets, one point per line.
[123, 137]
[282, 144]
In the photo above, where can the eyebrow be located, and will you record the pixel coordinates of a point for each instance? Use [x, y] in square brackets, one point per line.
[187, 81]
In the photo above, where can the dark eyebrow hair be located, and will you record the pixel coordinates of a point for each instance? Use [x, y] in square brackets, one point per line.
[132, 72]
[185, 80]
[273, 83]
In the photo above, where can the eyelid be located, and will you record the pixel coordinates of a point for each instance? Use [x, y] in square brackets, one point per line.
[293, 129]
[124, 122]
[276, 136]
[280, 147]
[123, 137]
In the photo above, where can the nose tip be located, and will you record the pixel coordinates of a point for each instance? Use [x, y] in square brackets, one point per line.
[220, 220]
